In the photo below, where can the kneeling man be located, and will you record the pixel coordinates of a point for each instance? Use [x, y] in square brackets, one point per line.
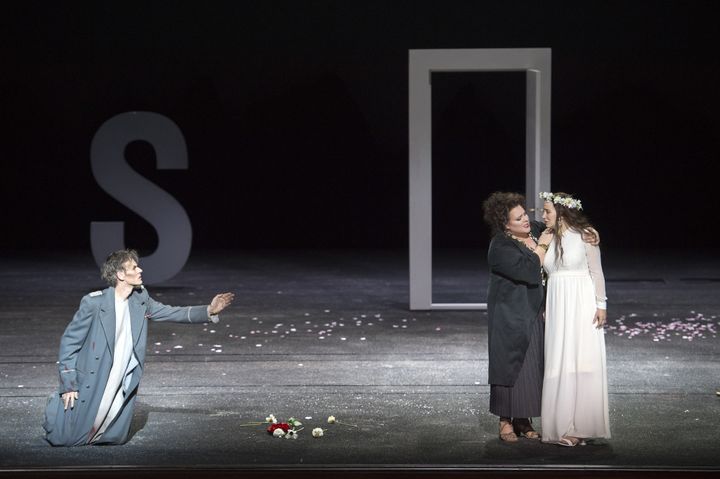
[102, 355]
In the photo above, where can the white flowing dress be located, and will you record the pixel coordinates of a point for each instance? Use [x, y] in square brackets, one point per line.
[575, 393]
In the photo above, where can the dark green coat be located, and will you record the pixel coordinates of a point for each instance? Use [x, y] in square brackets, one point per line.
[515, 298]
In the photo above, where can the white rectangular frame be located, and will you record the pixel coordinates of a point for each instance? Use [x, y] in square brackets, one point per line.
[536, 62]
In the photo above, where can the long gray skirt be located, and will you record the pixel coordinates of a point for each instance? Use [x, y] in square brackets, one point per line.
[524, 398]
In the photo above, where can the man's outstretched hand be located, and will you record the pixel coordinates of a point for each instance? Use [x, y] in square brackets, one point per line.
[220, 302]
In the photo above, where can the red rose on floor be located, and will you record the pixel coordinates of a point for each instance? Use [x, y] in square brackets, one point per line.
[281, 425]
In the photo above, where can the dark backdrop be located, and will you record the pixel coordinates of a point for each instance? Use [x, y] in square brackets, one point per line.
[295, 117]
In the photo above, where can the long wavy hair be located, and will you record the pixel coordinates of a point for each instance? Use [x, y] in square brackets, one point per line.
[496, 209]
[572, 218]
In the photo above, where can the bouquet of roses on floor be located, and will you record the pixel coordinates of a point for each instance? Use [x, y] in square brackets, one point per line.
[288, 430]
[291, 428]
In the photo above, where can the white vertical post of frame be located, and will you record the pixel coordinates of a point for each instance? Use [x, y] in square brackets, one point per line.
[536, 63]
[537, 137]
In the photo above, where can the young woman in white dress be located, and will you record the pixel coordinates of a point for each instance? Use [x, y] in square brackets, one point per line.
[575, 395]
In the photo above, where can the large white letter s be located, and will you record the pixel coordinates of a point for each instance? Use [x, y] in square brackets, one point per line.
[119, 180]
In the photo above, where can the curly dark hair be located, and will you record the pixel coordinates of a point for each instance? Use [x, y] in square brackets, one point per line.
[496, 209]
[573, 219]
[114, 263]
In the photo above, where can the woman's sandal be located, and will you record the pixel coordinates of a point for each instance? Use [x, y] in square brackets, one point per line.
[523, 428]
[506, 432]
[570, 441]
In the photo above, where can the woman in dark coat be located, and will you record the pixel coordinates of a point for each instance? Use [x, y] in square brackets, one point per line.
[515, 308]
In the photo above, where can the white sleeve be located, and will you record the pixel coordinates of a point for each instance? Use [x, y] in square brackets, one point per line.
[596, 273]
[212, 317]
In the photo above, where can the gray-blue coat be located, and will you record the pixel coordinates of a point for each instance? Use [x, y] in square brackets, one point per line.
[86, 356]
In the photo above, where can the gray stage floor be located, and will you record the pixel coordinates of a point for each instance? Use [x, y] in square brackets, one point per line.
[320, 333]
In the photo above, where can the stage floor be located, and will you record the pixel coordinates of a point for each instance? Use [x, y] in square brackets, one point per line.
[320, 333]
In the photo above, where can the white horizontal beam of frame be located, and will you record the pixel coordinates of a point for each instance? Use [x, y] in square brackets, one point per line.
[536, 62]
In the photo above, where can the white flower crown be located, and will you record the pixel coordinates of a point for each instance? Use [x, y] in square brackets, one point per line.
[566, 201]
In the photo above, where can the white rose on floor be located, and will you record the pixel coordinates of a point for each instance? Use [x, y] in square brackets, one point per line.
[331, 420]
[317, 432]
[278, 432]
